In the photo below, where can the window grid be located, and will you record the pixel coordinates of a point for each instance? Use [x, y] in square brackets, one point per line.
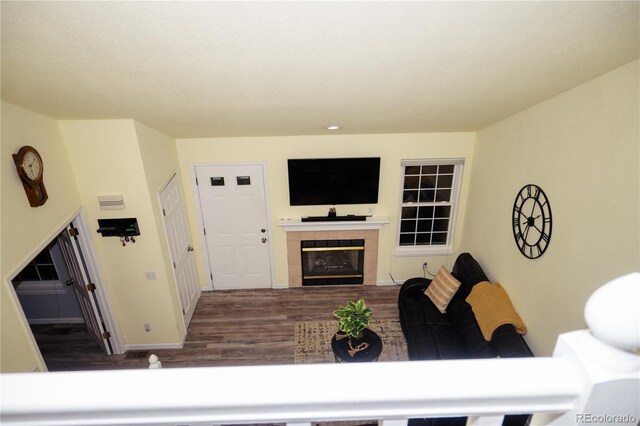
[41, 268]
[427, 204]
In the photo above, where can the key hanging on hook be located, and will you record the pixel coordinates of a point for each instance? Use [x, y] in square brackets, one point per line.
[122, 241]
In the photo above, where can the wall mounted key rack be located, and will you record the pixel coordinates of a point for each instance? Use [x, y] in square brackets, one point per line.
[126, 229]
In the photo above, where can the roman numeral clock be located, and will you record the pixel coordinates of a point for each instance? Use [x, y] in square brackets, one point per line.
[532, 221]
[30, 166]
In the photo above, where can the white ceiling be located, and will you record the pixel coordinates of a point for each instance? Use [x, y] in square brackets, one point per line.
[207, 69]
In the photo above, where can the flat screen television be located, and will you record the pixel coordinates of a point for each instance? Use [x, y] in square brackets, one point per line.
[320, 181]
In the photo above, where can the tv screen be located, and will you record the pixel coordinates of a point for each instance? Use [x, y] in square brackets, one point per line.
[318, 181]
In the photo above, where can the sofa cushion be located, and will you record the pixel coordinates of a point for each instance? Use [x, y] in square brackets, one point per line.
[436, 338]
[468, 271]
[442, 289]
[471, 336]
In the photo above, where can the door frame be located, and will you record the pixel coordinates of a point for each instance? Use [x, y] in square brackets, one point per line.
[91, 261]
[196, 196]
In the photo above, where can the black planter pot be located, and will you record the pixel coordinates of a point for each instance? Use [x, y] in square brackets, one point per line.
[341, 345]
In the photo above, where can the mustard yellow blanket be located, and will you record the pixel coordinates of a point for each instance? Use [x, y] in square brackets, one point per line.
[492, 307]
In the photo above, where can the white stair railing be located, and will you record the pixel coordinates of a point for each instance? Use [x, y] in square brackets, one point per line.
[586, 379]
[291, 393]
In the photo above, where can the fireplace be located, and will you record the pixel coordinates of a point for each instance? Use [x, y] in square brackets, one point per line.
[367, 230]
[332, 262]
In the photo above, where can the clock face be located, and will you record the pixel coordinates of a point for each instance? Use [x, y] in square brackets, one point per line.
[32, 165]
[532, 221]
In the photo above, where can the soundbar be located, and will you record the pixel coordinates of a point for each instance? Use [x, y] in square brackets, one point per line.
[347, 218]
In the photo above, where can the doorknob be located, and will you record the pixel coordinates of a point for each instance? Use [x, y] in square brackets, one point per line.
[190, 248]
[264, 240]
[263, 230]
[69, 282]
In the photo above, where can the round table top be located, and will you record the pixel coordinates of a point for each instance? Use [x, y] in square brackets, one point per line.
[340, 347]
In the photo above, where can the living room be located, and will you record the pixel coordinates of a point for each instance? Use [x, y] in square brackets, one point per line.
[579, 144]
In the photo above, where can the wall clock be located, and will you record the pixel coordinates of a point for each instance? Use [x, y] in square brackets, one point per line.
[532, 221]
[30, 167]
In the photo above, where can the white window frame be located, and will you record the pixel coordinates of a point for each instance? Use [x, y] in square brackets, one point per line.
[438, 249]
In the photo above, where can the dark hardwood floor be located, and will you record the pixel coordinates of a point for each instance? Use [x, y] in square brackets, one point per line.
[235, 327]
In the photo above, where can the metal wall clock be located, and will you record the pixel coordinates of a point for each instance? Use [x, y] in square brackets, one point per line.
[532, 221]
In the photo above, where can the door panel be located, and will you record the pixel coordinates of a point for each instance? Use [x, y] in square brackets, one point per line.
[180, 248]
[79, 282]
[234, 215]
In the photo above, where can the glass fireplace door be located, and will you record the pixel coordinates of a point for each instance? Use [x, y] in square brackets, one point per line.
[332, 262]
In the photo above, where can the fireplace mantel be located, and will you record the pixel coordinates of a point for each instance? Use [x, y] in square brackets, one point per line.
[297, 225]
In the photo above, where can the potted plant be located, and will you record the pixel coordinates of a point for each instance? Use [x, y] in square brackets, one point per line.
[355, 341]
[353, 318]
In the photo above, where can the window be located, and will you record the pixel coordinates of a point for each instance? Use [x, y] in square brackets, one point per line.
[41, 268]
[430, 191]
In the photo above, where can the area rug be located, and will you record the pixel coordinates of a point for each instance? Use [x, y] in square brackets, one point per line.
[313, 341]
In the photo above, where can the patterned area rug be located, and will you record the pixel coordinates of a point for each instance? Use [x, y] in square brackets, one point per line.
[313, 341]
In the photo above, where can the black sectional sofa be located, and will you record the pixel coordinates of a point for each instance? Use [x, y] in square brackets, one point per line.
[455, 334]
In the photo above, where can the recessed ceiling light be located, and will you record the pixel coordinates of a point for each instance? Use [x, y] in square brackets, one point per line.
[333, 127]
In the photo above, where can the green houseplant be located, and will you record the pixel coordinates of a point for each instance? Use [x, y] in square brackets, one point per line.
[353, 318]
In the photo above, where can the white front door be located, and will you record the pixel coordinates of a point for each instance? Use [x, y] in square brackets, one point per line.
[180, 248]
[236, 227]
[84, 288]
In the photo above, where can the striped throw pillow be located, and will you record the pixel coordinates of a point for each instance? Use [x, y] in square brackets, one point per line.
[442, 289]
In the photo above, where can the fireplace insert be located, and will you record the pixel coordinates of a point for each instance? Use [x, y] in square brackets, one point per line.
[332, 262]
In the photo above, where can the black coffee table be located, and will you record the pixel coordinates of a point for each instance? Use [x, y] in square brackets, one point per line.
[341, 347]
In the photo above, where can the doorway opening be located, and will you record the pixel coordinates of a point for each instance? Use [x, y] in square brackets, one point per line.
[61, 295]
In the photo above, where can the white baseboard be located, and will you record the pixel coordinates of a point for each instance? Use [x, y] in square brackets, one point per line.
[36, 321]
[381, 283]
[152, 346]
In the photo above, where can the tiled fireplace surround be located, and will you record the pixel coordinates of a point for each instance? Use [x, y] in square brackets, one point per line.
[297, 232]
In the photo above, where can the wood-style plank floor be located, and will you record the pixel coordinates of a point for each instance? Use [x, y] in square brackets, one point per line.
[235, 327]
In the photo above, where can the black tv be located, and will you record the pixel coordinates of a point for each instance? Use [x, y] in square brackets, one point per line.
[320, 181]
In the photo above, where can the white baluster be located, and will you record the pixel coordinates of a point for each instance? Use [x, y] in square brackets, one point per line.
[154, 362]
[485, 420]
[393, 422]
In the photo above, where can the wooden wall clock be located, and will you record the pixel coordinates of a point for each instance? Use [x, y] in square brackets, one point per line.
[532, 221]
[30, 168]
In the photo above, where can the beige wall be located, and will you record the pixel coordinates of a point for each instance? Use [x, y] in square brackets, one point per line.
[26, 229]
[275, 151]
[160, 162]
[582, 148]
[107, 158]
